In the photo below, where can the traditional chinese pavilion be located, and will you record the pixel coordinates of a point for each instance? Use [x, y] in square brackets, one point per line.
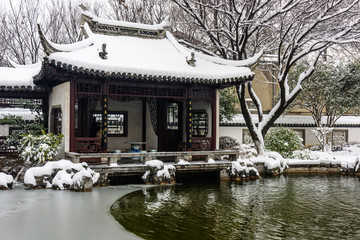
[125, 83]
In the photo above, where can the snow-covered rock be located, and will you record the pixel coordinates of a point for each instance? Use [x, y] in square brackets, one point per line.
[273, 162]
[158, 172]
[242, 169]
[6, 181]
[82, 181]
[62, 174]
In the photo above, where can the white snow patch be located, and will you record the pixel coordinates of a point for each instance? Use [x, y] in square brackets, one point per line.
[155, 164]
[159, 57]
[183, 162]
[22, 76]
[64, 176]
[210, 160]
[165, 171]
[272, 161]
[5, 180]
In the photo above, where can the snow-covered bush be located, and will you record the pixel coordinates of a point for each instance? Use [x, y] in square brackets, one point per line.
[284, 141]
[303, 154]
[39, 148]
[247, 152]
[226, 142]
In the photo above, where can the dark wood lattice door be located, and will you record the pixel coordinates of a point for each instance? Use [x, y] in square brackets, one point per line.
[170, 125]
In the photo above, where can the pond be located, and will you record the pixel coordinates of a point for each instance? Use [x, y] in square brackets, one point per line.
[311, 207]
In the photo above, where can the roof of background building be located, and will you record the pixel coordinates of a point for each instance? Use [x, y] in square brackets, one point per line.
[19, 77]
[26, 114]
[296, 121]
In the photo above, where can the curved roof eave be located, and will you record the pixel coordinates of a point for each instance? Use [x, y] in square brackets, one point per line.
[148, 77]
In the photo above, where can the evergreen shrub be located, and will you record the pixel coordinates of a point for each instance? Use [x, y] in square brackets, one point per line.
[39, 148]
[284, 141]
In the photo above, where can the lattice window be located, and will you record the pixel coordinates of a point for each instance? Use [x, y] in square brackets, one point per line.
[147, 91]
[201, 93]
[200, 123]
[88, 88]
[339, 137]
[172, 116]
[117, 123]
[56, 120]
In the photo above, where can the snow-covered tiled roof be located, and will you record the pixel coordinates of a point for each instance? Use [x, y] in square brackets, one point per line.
[134, 55]
[20, 77]
[26, 114]
[295, 120]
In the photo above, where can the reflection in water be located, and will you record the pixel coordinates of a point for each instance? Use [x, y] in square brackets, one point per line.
[277, 208]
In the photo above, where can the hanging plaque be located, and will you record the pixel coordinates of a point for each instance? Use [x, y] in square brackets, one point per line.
[104, 118]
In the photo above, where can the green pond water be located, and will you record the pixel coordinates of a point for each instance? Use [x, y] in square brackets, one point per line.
[316, 207]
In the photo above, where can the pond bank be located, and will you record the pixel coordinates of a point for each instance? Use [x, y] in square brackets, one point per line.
[49, 214]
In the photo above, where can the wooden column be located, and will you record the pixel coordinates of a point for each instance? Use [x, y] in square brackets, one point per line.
[45, 112]
[214, 119]
[144, 122]
[72, 114]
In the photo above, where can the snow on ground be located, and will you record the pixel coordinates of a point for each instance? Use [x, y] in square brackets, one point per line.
[348, 158]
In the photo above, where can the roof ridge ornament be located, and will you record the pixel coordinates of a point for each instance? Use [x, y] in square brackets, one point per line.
[117, 28]
[190, 59]
[83, 7]
[103, 54]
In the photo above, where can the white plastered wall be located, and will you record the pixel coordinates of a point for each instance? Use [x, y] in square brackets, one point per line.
[207, 107]
[134, 130]
[4, 130]
[354, 135]
[134, 111]
[310, 139]
[60, 97]
[234, 132]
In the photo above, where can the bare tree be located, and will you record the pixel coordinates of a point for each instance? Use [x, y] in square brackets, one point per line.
[60, 20]
[4, 38]
[291, 29]
[19, 33]
[150, 11]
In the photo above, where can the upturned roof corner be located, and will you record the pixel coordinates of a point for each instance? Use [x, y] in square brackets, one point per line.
[48, 48]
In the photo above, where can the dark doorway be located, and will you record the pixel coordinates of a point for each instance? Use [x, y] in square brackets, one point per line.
[170, 125]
